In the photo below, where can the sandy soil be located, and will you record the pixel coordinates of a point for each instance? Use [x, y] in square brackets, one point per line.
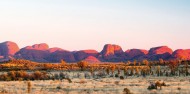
[175, 85]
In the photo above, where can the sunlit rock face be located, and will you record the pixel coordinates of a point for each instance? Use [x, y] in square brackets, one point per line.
[161, 52]
[183, 54]
[91, 59]
[8, 48]
[112, 53]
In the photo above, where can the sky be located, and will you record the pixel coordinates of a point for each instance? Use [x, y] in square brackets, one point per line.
[90, 24]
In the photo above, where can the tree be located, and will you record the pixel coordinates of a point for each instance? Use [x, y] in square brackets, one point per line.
[145, 62]
[158, 70]
[107, 71]
[92, 71]
[186, 68]
[63, 62]
[173, 65]
[12, 74]
[135, 62]
[82, 65]
[161, 61]
[128, 62]
[112, 68]
[37, 75]
[136, 71]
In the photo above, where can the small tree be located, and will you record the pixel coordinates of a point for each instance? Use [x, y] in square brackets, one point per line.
[92, 71]
[137, 71]
[186, 68]
[82, 65]
[128, 62]
[161, 61]
[37, 75]
[145, 62]
[107, 71]
[113, 69]
[135, 62]
[158, 70]
[63, 63]
[173, 65]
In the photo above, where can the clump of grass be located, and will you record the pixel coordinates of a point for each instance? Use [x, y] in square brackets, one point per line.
[4, 91]
[116, 75]
[179, 88]
[121, 77]
[82, 82]
[126, 91]
[69, 80]
[58, 87]
[156, 85]
[116, 82]
[163, 84]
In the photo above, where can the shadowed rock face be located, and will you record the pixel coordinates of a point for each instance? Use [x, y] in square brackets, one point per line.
[80, 55]
[42, 53]
[163, 52]
[181, 54]
[61, 55]
[37, 52]
[133, 54]
[112, 53]
[8, 49]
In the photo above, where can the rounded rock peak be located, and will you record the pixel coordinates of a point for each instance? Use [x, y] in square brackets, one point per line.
[111, 49]
[160, 50]
[8, 48]
[181, 54]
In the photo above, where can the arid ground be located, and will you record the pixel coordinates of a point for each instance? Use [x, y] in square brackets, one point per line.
[136, 85]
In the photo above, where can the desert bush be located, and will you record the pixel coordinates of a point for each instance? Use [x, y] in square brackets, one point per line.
[12, 75]
[156, 85]
[63, 63]
[126, 91]
[58, 87]
[37, 75]
[121, 77]
[107, 71]
[112, 67]
[69, 80]
[116, 82]
[3, 91]
[82, 65]
[92, 71]
[152, 86]
[56, 76]
[82, 82]
[61, 75]
[87, 75]
[116, 75]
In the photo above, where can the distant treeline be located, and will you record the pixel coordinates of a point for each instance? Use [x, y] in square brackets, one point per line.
[39, 71]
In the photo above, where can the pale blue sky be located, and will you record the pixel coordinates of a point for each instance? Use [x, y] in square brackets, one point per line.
[89, 24]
